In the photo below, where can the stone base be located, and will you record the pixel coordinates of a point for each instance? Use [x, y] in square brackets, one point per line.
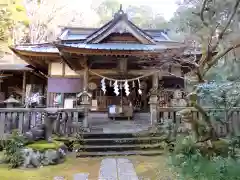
[36, 158]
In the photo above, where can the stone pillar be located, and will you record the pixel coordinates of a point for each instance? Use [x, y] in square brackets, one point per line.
[153, 100]
[51, 116]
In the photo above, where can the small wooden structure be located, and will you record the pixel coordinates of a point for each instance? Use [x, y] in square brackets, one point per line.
[17, 79]
[124, 112]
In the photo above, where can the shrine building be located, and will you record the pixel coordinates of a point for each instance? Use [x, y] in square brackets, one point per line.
[115, 63]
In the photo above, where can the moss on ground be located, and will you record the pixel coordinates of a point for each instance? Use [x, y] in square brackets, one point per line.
[152, 167]
[63, 138]
[146, 167]
[70, 167]
[44, 145]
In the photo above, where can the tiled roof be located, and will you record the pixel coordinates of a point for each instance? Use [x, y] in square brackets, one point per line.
[157, 35]
[38, 48]
[119, 46]
[12, 67]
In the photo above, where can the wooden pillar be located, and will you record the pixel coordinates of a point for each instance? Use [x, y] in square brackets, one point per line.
[85, 79]
[85, 88]
[155, 80]
[153, 101]
[24, 87]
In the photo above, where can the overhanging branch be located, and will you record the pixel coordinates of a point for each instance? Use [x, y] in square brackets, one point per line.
[203, 8]
[219, 56]
[221, 34]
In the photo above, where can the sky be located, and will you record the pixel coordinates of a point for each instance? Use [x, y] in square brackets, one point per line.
[164, 7]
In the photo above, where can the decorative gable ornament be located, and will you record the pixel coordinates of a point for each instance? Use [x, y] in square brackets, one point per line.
[121, 28]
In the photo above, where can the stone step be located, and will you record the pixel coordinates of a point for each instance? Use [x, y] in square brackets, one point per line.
[125, 139]
[122, 146]
[121, 141]
[118, 134]
[121, 153]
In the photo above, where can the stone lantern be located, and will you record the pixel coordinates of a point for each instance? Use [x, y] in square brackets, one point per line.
[11, 102]
[51, 114]
[85, 100]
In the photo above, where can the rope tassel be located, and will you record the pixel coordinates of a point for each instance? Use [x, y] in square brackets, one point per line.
[139, 86]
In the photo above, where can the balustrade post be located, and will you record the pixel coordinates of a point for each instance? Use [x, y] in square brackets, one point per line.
[153, 109]
[153, 100]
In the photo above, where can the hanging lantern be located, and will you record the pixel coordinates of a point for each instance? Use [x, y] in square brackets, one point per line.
[110, 83]
[116, 89]
[103, 85]
[126, 87]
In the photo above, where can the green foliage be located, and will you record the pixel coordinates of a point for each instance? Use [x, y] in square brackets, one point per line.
[220, 95]
[234, 145]
[191, 163]
[13, 150]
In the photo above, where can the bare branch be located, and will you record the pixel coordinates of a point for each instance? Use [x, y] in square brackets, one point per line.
[203, 8]
[219, 56]
[221, 34]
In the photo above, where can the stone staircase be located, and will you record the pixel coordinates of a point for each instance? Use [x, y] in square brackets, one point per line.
[114, 144]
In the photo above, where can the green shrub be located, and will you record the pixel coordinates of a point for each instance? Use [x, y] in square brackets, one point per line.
[13, 150]
[190, 162]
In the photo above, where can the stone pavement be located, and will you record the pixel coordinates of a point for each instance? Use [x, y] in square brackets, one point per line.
[111, 169]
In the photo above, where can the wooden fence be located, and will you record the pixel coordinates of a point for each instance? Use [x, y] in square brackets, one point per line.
[68, 120]
[225, 121]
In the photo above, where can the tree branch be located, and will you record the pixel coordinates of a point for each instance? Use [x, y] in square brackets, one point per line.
[219, 56]
[203, 8]
[221, 34]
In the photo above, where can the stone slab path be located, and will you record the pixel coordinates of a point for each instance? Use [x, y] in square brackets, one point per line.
[125, 170]
[80, 176]
[111, 169]
[117, 169]
[108, 169]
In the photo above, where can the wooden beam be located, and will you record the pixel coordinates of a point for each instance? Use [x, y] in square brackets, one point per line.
[7, 75]
[115, 71]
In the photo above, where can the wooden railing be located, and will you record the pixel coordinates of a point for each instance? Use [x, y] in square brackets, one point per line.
[224, 121]
[68, 120]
